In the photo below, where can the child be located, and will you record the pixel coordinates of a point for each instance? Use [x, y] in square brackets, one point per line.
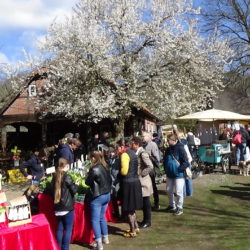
[64, 191]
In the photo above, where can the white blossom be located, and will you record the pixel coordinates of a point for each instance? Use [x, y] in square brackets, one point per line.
[112, 53]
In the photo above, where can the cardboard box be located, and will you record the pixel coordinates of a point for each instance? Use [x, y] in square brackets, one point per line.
[19, 212]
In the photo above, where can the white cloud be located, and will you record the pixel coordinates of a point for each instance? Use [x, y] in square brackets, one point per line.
[38, 14]
[29, 38]
[3, 58]
[23, 24]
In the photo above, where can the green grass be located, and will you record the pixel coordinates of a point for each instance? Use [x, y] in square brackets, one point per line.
[216, 217]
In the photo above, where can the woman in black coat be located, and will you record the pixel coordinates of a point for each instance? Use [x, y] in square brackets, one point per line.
[99, 180]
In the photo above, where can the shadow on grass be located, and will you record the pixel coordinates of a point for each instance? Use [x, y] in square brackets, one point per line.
[162, 192]
[82, 245]
[115, 230]
[243, 184]
[246, 189]
[203, 211]
[242, 193]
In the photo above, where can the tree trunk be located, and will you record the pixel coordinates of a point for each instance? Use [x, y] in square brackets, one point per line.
[44, 133]
[3, 138]
[119, 129]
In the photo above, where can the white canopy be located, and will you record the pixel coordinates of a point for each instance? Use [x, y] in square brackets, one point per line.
[215, 114]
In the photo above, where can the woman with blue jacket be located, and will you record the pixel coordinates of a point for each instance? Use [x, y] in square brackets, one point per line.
[175, 163]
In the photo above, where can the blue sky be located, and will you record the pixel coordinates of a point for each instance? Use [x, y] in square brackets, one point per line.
[23, 23]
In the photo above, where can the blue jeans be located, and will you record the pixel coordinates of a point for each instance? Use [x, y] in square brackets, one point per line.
[64, 230]
[35, 182]
[240, 153]
[98, 208]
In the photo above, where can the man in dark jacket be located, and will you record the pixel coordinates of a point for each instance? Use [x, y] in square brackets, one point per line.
[66, 150]
[35, 167]
[175, 163]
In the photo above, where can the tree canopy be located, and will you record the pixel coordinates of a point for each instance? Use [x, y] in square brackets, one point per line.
[111, 55]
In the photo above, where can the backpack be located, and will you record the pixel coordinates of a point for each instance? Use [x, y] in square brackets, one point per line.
[237, 139]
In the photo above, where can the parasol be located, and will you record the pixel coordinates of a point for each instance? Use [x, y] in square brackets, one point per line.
[214, 114]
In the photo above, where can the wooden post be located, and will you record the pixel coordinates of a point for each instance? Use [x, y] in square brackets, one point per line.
[3, 138]
[44, 133]
[88, 136]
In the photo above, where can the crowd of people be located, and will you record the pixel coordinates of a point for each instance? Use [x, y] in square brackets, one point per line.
[123, 173]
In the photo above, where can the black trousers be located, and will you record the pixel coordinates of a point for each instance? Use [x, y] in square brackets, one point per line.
[155, 190]
[114, 200]
[146, 210]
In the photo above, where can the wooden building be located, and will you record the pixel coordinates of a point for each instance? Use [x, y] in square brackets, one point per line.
[21, 125]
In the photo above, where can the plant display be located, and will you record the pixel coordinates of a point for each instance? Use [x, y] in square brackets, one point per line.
[2, 210]
[46, 184]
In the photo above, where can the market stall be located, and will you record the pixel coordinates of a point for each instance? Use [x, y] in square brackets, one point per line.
[82, 229]
[28, 236]
[208, 122]
[213, 152]
[20, 230]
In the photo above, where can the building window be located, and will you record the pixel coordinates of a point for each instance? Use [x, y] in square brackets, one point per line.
[32, 90]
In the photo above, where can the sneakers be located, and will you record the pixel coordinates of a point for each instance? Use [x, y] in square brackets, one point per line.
[170, 209]
[178, 211]
[105, 240]
[97, 245]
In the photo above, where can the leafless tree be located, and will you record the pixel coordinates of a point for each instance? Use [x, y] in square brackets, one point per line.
[232, 20]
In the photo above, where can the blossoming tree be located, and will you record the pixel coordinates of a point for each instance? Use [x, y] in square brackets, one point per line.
[111, 55]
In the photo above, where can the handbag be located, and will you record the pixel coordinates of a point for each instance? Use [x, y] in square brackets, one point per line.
[187, 171]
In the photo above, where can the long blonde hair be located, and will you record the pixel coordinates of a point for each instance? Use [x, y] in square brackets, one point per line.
[99, 158]
[58, 179]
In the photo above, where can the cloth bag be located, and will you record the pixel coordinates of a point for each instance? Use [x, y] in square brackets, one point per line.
[188, 173]
[188, 188]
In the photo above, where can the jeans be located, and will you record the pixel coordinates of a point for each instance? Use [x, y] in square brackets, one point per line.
[240, 152]
[64, 230]
[176, 184]
[98, 208]
[35, 182]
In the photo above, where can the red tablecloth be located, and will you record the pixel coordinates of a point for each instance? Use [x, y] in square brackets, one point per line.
[82, 230]
[36, 235]
[3, 224]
